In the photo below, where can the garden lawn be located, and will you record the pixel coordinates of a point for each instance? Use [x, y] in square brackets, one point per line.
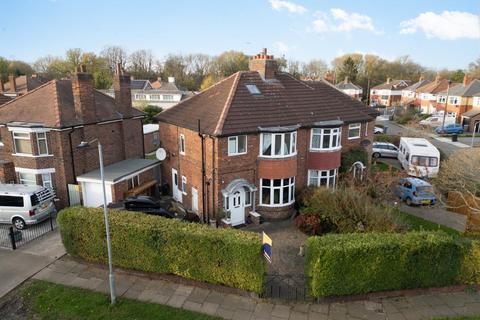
[51, 301]
[419, 224]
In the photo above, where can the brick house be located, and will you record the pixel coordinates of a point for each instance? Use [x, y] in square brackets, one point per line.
[350, 89]
[388, 93]
[247, 143]
[17, 86]
[427, 95]
[39, 132]
[410, 94]
[461, 97]
[151, 140]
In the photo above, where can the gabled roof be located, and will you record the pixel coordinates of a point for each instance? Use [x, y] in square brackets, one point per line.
[470, 90]
[435, 87]
[52, 105]
[228, 107]
[417, 85]
[392, 85]
[26, 83]
[347, 86]
[471, 113]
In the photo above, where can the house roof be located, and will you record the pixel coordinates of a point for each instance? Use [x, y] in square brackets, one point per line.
[26, 83]
[52, 105]
[347, 86]
[471, 113]
[470, 90]
[417, 85]
[435, 87]
[392, 85]
[4, 99]
[228, 107]
[140, 84]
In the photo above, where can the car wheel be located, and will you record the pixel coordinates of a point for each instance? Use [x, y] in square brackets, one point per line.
[19, 223]
[408, 201]
[376, 155]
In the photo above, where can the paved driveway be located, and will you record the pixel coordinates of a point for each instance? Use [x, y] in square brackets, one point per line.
[439, 215]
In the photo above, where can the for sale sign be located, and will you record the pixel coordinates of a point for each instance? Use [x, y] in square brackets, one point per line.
[267, 247]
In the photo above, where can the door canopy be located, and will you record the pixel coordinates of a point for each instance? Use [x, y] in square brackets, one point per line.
[238, 183]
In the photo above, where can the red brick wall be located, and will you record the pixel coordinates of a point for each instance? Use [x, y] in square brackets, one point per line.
[148, 143]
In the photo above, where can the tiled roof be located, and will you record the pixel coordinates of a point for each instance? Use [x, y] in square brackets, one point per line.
[347, 86]
[470, 90]
[435, 87]
[228, 107]
[4, 99]
[417, 85]
[471, 113]
[26, 83]
[140, 84]
[392, 85]
[52, 105]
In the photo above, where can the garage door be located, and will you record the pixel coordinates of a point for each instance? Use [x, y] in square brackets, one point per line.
[93, 195]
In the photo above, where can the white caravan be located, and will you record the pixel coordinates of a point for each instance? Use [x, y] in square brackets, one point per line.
[419, 157]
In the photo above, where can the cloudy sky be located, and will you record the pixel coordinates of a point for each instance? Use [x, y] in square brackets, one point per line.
[434, 33]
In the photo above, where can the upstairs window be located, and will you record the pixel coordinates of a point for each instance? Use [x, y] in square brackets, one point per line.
[453, 100]
[278, 145]
[253, 89]
[22, 142]
[167, 97]
[354, 130]
[181, 144]
[237, 145]
[325, 139]
[441, 99]
[42, 143]
[140, 96]
[184, 185]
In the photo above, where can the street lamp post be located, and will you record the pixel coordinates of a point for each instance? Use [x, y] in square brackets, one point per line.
[473, 133]
[111, 276]
[446, 106]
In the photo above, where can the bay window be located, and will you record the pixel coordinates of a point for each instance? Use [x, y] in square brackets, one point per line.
[278, 145]
[325, 139]
[322, 178]
[22, 142]
[277, 192]
[237, 145]
[354, 130]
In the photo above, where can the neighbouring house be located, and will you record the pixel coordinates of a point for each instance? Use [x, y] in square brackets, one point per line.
[160, 94]
[17, 86]
[350, 89]
[428, 95]
[151, 138]
[388, 93]
[462, 97]
[410, 95]
[471, 118]
[41, 129]
[244, 146]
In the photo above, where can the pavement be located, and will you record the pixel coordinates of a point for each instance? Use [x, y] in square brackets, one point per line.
[426, 305]
[16, 266]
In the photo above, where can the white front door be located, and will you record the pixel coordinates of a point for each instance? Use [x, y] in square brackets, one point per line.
[177, 194]
[237, 207]
[194, 200]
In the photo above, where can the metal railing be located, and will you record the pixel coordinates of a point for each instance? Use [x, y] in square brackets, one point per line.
[12, 238]
[286, 287]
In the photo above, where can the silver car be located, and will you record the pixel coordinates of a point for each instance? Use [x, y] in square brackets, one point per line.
[384, 149]
[23, 205]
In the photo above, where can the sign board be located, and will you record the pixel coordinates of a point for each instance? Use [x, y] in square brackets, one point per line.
[267, 246]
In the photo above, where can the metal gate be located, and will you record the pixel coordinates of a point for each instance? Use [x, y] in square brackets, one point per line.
[286, 287]
[74, 195]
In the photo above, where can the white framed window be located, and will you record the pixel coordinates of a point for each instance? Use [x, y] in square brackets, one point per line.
[156, 139]
[27, 178]
[453, 100]
[181, 144]
[237, 145]
[167, 97]
[133, 182]
[47, 180]
[22, 143]
[354, 130]
[476, 101]
[441, 99]
[42, 143]
[278, 145]
[277, 192]
[154, 97]
[184, 185]
[325, 178]
[325, 138]
[248, 198]
[139, 96]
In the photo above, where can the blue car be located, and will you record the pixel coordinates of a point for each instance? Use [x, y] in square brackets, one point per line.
[450, 128]
[415, 191]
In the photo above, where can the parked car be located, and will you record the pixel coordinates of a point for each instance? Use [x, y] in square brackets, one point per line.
[450, 128]
[437, 120]
[378, 130]
[23, 205]
[384, 149]
[415, 191]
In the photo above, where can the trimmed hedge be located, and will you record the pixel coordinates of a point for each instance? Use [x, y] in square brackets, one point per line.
[344, 264]
[155, 244]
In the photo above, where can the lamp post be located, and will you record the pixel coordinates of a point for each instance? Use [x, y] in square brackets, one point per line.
[473, 133]
[446, 106]
[111, 276]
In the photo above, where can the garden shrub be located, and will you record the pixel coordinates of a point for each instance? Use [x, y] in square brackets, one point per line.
[156, 244]
[360, 263]
[386, 138]
[351, 156]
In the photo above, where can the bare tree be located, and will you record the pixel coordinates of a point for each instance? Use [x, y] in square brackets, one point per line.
[114, 55]
[141, 63]
[315, 69]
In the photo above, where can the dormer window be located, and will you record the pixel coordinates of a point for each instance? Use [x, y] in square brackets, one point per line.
[253, 89]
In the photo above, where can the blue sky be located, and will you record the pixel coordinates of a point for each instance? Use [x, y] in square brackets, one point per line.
[436, 34]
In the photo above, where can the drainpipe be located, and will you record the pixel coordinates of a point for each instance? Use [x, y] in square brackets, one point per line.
[214, 206]
[203, 174]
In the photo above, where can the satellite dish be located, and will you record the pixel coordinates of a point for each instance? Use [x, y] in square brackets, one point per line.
[365, 143]
[161, 154]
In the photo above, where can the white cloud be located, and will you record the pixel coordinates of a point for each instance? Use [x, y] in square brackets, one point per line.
[287, 5]
[339, 20]
[282, 47]
[448, 25]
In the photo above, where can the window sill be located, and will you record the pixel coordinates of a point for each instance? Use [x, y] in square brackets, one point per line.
[236, 154]
[353, 138]
[277, 205]
[325, 150]
[277, 157]
[31, 155]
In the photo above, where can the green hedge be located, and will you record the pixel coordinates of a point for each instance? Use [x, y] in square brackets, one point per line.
[155, 244]
[344, 264]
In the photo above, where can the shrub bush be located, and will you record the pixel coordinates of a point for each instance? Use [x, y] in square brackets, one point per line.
[351, 156]
[155, 244]
[386, 138]
[361, 263]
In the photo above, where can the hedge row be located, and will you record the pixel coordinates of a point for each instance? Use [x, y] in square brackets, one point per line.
[344, 264]
[155, 244]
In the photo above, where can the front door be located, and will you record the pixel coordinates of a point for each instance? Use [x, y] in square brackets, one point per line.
[237, 207]
[194, 200]
[176, 193]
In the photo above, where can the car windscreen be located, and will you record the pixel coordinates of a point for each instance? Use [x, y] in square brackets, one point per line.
[427, 189]
[11, 201]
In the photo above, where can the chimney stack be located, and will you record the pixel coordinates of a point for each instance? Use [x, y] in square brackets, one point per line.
[83, 95]
[466, 80]
[388, 80]
[264, 64]
[13, 84]
[123, 94]
[437, 79]
[421, 79]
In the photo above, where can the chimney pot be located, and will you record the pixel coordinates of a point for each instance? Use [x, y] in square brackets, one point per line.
[264, 64]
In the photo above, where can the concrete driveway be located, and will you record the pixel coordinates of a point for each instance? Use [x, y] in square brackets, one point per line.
[16, 266]
[438, 214]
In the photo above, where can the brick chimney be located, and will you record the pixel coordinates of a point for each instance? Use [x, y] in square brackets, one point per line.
[466, 80]
[437, 79]
[388, 80]
[123, 94]
[83, 95]
[421, 79]
[264, 64]
[13, 84]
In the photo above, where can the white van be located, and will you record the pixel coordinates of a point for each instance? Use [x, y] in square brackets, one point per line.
[419, 157]
[437, 120]
[23, 205]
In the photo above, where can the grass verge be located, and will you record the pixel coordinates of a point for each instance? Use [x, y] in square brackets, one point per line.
[418, 224]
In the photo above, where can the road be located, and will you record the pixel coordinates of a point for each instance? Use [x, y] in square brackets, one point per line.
[444, 144]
